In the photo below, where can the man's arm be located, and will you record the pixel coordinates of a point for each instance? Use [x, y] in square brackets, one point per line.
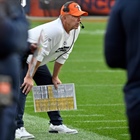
[55, 79]
[32, 68]
[28, 80]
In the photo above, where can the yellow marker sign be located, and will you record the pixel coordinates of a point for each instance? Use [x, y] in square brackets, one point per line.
[47, 98]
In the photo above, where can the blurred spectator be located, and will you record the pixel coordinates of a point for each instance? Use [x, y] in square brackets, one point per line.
[122, 50]
[51, 7]
[27, 7]
[13, 38]
[45, 6]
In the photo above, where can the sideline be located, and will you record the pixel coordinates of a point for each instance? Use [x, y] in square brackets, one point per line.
[39, 128]
[88, 18]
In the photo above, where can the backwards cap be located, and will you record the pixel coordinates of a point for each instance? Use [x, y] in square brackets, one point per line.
[73, 9]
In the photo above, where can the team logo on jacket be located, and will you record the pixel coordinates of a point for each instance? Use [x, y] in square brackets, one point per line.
[63, 49]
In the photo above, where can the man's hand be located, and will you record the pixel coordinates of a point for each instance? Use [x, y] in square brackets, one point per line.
[33, 47]
[27, 85]
[56, 81]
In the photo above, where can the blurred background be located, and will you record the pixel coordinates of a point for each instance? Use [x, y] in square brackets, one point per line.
[50, 8]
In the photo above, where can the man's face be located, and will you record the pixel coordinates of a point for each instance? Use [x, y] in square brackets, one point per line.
[73, 21]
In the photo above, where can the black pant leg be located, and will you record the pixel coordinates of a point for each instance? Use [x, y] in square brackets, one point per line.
[44, 77]
[133, 113]
[9, 66]
[21, 99]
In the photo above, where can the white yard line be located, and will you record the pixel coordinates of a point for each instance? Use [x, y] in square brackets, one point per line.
[91, 115]
[102, 105]
[94, 32]
[97, 71]
[100, 85]
[86, 60]
[102, 121]
[119, 127]
[124, 134]
[109, 71]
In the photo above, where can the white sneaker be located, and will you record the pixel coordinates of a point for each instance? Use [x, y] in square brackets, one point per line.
[21, 133]
[61, 129]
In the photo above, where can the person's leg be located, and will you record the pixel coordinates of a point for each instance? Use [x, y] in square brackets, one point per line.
[133, 114]
[21, 100]
[7, 125]
[43, 77]
[9, 67]
[20, 130]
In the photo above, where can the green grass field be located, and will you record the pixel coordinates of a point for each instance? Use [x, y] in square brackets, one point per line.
[100, 113]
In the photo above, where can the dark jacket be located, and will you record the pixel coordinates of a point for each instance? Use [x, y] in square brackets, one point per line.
[13, 28]
[122, 41]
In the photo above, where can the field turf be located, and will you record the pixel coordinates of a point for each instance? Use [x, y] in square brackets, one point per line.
[100, 113]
